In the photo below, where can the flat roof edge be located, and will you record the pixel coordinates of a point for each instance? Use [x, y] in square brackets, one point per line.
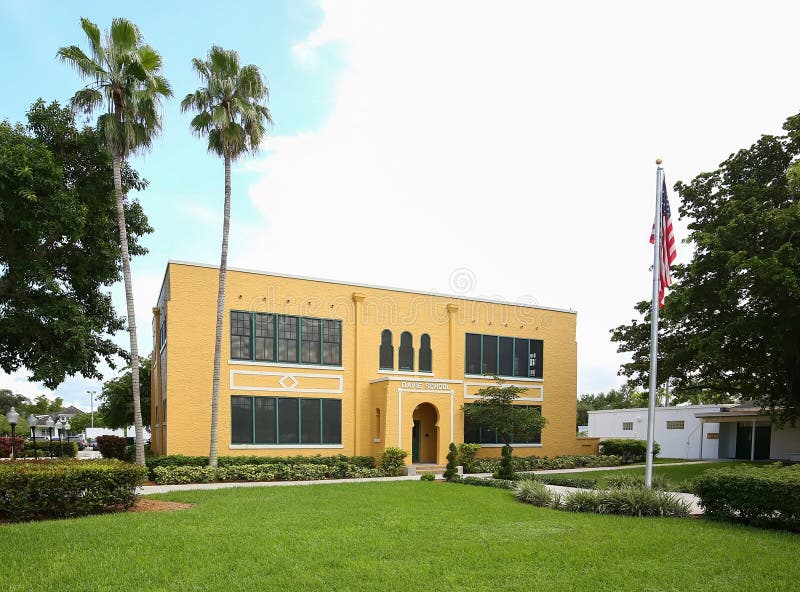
[374, 287]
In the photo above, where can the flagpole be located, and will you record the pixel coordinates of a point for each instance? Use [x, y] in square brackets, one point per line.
[651, 406]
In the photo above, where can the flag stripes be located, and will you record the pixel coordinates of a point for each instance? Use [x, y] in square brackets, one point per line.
[667, 252]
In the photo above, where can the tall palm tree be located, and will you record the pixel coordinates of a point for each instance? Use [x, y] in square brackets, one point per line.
[126, 85]
[232, 113]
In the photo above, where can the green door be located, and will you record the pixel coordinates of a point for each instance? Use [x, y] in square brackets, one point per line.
[415, 442]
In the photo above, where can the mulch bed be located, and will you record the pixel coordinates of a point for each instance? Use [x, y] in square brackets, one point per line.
[144, 504]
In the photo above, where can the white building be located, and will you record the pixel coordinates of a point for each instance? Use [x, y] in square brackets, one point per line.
[703, 431]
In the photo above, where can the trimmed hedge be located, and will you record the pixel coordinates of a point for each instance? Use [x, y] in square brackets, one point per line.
[481, 482]
[544, 463]
[5, 446]
[630, 450]
[32, 490]
[577, 482]
[761, 496]
[341, 466]
[176, 474]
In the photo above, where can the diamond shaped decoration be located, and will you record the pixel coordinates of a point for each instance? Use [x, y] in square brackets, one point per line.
[286, 378]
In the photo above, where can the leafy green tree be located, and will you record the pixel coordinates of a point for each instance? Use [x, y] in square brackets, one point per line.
[22, 429]
[58, 249]
[116, 408]
[8, 400]
[730, 327]
[495, 410]
[125, 80]
[233, 115]
[79, 422]
[42, 405]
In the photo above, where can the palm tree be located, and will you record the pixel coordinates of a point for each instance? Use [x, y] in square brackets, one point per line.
[126, 84]
[232, 113]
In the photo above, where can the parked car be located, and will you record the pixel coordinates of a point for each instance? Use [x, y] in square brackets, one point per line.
[79, 439]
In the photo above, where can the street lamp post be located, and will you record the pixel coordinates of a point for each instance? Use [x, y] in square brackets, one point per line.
[67, 426]
[13, 418]
[33, 421]
[60, 426]
[49, 423]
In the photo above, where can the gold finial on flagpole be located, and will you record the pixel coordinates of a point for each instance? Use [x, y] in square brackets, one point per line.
[659, 161]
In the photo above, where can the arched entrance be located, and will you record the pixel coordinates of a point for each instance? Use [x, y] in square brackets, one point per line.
[425, 434]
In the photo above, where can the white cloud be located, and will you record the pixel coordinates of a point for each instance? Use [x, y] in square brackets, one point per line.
[515, 139]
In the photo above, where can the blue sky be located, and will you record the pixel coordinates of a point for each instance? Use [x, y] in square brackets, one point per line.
[509, 143]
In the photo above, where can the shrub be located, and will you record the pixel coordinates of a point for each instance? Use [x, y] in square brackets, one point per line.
[506, 469]
[43, 449]
[427, 477]
[113, 447]
[177, 475]
[481, 482]
[533, 492]
[762, 496]
[466, 456]
[5, 446]
[627, 501]
[452, 459]
[630, 450]
[561, 481]
[32, 490]
[391, 461]
[338, 466]
[621, 480]
[535, 463]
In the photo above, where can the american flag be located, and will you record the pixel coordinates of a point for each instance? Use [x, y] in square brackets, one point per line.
[667, 250]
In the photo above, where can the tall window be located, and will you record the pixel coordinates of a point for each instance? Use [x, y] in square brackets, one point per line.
[386, 354]
[332, 342]
[425, 354]
[280, 338]
[264, 338]
[405, 356]
[285, 420]
[504, 356]
[240, 335]
[478, 434]
[311, 334]
[163, 331]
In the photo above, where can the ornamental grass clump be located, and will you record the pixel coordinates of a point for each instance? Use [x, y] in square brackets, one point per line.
[536, 493]
[621, 480]
[627, 501]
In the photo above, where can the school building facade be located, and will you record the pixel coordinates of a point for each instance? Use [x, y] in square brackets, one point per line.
[324, 367]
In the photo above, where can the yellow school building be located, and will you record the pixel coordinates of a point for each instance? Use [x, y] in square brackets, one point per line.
[313, 366]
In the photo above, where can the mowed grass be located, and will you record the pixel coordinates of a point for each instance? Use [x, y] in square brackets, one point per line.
[407, 535]
[676, 473]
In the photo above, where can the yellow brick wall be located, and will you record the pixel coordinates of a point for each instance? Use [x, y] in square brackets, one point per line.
[190, 307]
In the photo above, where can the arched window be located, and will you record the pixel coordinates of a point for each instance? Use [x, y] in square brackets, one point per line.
[425, 354]
[386, 356]
[405, 358]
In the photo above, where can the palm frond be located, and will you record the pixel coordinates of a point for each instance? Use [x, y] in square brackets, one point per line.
[86, 100]
[93, 35]
[124, 35]
[73, 55]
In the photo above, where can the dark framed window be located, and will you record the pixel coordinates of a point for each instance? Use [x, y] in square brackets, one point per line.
[425, 354]
[285, 420]
[472, 356]
[241, 420]
[264, 337]
[287, 339]
[264, 418]
[288, 420]
[405, 356]
[386, 353]
[489, 354]
[163, 332]
[310, 340]
[332, 342]
[240, 336]
[477, 434]
[504, 356]
[267, 337]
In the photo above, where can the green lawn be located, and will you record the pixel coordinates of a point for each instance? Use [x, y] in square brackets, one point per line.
[407, 535]
[676, 473]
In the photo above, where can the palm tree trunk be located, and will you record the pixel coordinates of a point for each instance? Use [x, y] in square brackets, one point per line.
[223, 272]
[126, 272]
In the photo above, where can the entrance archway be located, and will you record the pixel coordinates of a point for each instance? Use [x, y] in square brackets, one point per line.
[425, 434]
